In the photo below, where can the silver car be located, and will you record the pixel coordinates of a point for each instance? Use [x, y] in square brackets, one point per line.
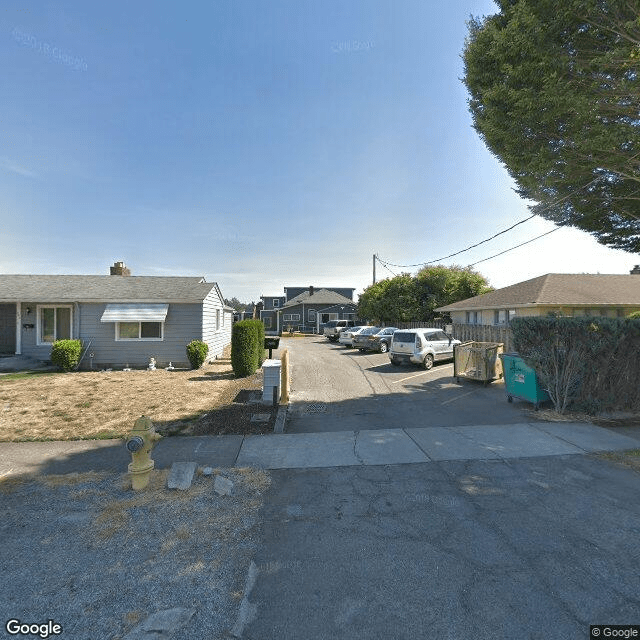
[361, 339]
[422, 346]
[346, 336]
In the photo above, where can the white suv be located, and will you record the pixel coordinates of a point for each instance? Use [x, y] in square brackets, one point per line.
[421, 346]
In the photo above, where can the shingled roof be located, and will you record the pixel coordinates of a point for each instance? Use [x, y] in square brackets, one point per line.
[322, 296]
[559, 289]
[75, 288]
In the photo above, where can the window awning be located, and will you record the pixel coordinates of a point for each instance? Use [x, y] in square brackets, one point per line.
[135, 313]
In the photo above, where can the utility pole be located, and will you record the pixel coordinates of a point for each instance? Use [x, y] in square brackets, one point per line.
[374, 268]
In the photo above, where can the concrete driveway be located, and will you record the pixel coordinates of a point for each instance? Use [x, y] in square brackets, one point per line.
[339, 389]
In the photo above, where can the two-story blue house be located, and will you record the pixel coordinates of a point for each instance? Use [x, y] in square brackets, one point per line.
[307, 308]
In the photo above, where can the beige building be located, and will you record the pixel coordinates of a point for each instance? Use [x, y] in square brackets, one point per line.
[591, 295]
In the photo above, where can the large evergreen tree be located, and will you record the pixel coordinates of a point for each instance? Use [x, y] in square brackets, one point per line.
[554, 93]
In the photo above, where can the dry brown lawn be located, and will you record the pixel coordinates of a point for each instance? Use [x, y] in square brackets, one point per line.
[105, 404]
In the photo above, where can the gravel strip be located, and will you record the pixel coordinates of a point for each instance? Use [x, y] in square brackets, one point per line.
[87, 552]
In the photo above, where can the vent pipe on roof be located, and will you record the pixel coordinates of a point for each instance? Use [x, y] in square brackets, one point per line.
[311, 290]
[119, 269]
[635, 270]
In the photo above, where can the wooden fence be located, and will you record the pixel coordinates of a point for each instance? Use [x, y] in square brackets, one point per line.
[484, 333]
[437, 324]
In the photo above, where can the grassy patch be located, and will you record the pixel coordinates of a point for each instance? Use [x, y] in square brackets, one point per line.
[89, 405]
[28, 375]
[630, 458]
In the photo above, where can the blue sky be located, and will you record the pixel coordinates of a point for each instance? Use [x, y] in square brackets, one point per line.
[260, 144]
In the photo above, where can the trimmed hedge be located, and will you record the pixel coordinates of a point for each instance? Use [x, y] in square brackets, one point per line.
[197, 353]
[247, 347]
[585, 364]
[65, 354]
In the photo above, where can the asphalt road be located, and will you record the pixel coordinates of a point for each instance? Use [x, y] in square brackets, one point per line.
[535, 548]
[336, 389]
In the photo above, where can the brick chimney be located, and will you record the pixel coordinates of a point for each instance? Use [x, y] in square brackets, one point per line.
[311, 290]
[636, 270]
[119, 269]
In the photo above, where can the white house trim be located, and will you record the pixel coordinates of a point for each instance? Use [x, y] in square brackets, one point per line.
[39, 307]
[119, 339]
[18, 328]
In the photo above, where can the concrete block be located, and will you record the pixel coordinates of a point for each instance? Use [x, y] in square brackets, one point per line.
[181, 475]
[298, 450]
[387, 446]
[222, 486]
[445, 443]
[588, 437]
[281, 419]
[267, 393]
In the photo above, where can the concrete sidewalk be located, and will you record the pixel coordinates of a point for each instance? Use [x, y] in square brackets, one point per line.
[329, 449]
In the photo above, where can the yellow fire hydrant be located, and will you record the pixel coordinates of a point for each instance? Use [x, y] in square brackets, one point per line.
[139, 443]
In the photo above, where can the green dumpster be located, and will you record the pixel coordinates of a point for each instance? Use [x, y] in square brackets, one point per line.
[521, 380]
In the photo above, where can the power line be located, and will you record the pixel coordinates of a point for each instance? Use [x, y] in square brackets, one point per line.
[518, 245]
[420, 264]
[387, 268]
[477, 244]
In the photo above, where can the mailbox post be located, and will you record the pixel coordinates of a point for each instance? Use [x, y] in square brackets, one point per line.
[271, 343]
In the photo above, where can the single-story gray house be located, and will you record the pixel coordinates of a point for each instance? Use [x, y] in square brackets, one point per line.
[567, 294]
[121, 319]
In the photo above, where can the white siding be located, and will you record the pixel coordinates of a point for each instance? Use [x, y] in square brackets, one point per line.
[213, 313]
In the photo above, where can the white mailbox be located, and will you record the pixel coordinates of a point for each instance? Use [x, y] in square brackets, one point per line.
[271, 379]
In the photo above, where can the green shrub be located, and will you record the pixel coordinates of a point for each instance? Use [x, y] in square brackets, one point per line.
[633, 316]
[586, 364]
[247, 347]
[197, 353]
[65, 354]
[260, 341]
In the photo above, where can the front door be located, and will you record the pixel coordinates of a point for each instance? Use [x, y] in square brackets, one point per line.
[7, 328]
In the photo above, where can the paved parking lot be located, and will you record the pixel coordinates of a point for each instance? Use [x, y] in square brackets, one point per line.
[339, 389]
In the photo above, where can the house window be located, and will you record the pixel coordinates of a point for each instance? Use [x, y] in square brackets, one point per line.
[472, 317]
[349, 316]
[312, 315]
[139, 330]
[499, 316]
[512, 314]
[54, 323]
[291, 317]
[217, 319]
[267, 322]
[276, 303]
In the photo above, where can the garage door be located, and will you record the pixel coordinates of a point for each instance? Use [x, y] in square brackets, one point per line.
[7, 328]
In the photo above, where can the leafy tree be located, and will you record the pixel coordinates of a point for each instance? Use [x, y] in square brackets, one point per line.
[438, 286]
[239, 306]
[554, 94]
[407, 298]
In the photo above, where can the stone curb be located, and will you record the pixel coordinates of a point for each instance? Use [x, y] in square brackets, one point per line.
[281, 418]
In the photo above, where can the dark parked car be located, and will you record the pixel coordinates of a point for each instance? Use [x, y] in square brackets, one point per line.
[361, 339]
[381, 340]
